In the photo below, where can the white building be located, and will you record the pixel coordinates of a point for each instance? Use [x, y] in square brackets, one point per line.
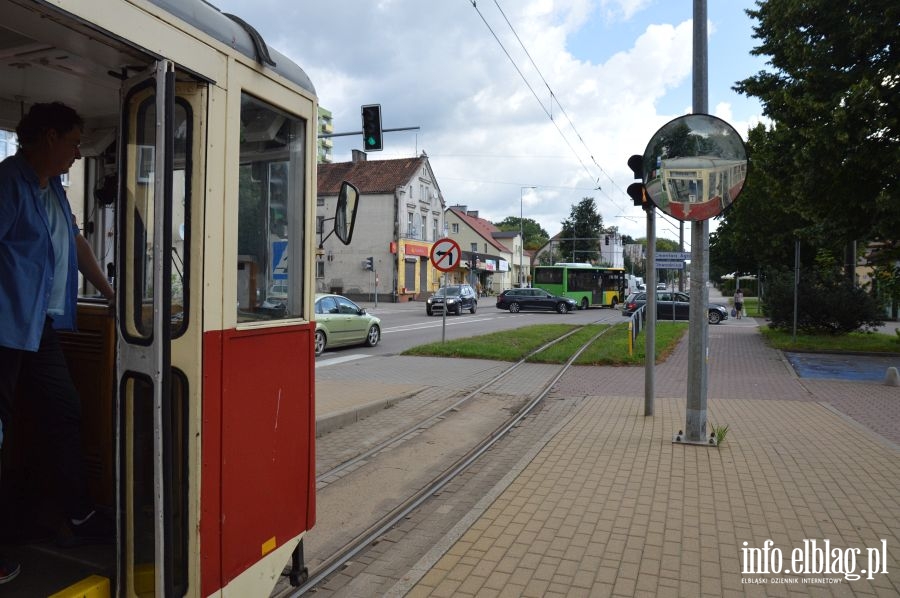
[492, 256]
[400, 216]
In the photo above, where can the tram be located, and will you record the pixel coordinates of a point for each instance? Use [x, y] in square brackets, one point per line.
[197, 191]
[699, 187]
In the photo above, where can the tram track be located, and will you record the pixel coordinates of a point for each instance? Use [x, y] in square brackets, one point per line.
[365, 538]
[399, 436]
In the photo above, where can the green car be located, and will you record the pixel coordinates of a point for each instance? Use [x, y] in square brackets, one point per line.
[340, 322]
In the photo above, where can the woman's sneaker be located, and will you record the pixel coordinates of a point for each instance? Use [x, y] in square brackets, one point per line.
[9, 570]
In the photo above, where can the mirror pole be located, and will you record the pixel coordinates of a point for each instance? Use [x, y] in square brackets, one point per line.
[698, 327]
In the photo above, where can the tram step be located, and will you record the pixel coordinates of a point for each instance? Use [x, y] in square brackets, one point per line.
[94, 586]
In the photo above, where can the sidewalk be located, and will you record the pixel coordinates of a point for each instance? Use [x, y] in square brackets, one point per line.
[610, 507]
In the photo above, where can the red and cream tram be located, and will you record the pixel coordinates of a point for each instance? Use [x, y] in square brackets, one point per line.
[700, 187]
[197, 190]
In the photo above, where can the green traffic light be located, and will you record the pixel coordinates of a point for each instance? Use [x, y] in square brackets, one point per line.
[370, 141]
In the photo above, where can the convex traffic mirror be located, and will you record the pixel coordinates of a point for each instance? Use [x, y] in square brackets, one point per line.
[694, 167]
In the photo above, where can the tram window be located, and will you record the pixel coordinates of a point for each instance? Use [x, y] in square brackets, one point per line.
[270, 213]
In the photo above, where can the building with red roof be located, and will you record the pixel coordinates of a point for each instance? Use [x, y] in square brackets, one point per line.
[400, 215]
[494, 259]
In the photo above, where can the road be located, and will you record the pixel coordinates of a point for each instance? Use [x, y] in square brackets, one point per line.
[405, 325]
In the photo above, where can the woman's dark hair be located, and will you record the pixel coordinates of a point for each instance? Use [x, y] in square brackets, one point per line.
[40, 117]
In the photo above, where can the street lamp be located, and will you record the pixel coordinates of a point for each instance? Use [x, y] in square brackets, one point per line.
[522, 237]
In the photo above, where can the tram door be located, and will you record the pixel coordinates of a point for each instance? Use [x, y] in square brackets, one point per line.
[158, 249]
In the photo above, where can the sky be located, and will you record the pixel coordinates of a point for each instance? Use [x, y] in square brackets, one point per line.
[569, 92]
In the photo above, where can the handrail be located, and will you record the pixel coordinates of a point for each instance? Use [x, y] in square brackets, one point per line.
[635, 324]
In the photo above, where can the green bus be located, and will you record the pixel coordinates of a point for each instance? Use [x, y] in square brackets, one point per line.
[590, 286]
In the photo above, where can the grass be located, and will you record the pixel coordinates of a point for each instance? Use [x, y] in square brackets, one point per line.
[502, 346]
[855, 342]
[720, 432]
[609, 349]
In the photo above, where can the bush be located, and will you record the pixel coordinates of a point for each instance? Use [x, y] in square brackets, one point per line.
[749, 286]
[826, 304]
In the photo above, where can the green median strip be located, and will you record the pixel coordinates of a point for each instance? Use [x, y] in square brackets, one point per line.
[513, 345]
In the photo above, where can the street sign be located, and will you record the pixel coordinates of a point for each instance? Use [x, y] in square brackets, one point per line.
[445, 255]
[673, 255]
[669, 265]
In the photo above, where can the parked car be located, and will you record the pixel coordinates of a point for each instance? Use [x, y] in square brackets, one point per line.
[666, 308]
[341, 322]
[660, 286]
[456, 298]
[518, 299]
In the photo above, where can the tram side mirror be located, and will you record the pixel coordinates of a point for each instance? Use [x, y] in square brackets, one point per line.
[345, 212]
[694, 167]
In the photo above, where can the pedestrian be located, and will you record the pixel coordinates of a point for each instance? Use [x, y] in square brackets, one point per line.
[739, 303]
[41, 252]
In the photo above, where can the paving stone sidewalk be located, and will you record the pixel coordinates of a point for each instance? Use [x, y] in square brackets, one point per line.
[610, 507]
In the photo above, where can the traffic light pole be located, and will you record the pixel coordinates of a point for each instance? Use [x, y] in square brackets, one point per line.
[650, 315]
[329, 135]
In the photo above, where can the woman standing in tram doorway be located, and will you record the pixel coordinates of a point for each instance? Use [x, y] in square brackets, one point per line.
[41, 252]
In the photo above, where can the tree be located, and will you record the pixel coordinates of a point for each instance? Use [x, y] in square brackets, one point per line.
[834, 95]
[535, 236]
[759, 229]
[581, 232]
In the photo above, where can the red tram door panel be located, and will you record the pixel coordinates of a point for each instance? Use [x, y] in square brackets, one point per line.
[267, 442]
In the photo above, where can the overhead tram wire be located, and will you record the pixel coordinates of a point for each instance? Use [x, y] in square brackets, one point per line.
[554, 97]
[547, 112]
[534, 93]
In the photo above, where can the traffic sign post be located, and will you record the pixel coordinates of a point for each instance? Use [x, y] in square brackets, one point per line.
[445, 256]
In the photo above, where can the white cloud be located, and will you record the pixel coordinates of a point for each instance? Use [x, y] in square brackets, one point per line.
[437, 66]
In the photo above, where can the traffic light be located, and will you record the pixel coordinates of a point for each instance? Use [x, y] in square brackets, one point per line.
[638, 194]
[636, 191]
[371, 123]
[636, 164]
[369, 264]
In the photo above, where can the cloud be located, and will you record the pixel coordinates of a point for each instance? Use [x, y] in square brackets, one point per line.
[437, 65]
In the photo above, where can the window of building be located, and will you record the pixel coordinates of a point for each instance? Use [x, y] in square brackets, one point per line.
[320, 268]
[454, 228]
[320, 224]
[434, 230]
[424, 226]
[474, 247]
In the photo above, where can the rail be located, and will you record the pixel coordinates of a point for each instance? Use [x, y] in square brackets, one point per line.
[309, 581]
